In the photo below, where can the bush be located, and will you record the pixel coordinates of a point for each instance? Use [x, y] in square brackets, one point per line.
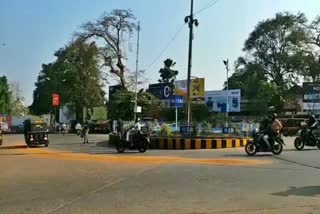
[166, 130]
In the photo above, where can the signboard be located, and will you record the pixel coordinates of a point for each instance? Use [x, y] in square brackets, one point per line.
[176, 101]
[94, 113]
[196, 88]
[112, 90]
[228, 130]
[311, 96]
[217, 100]
[55, 99]
[187, 130]
[161, 91]
[66, 113]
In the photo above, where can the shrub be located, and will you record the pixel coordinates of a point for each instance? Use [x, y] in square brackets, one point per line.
[166, 130]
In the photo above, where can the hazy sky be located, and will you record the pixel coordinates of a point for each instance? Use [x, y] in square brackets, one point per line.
[32, 30]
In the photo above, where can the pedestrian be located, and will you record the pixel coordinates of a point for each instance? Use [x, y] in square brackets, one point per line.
[85, 134]
[119, 127]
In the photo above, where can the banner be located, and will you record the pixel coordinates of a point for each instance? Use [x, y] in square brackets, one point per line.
[217, 100]
[196, 88]
[55, 99]
[161, 91]
[94, 113]
[311, 96]
[66, 114]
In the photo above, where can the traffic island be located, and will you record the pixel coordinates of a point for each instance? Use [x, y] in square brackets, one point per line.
[190, 143]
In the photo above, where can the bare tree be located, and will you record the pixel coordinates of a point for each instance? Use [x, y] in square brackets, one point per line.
[112, 28]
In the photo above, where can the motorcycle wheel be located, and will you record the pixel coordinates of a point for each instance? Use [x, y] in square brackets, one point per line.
[121, 146]
[277, 148]
[251, 149]
[299, 143]
[143, 146]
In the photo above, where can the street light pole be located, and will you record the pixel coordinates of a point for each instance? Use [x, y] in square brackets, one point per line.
[226, 63]
[190, 20]
[136, 77]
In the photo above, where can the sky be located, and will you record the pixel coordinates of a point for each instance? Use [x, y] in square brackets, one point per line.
[33, 30]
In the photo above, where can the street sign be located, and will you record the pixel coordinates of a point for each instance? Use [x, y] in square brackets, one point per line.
[176, 101]
[229, 130]
[55, 99]
[185, 130]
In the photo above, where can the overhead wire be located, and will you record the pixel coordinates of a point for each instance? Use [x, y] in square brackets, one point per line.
[210, 4]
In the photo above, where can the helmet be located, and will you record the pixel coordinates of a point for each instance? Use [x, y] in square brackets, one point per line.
[274, 116]
[312, 118]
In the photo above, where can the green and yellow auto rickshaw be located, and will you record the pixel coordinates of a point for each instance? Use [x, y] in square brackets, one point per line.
[36, 132]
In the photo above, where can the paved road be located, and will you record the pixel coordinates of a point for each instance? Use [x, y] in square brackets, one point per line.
[70, 177]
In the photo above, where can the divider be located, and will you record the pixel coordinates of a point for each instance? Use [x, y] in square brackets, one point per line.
[189, 143]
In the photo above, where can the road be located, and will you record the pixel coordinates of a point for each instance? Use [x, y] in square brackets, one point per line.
[70, 177]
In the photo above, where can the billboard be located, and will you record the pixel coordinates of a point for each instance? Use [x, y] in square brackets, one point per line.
[67, 113]
[217, 100]
[196, 88]
[161, 91]
[311, 96]
[94, 113]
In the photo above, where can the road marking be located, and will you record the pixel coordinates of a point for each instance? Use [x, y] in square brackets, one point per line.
[97, 190]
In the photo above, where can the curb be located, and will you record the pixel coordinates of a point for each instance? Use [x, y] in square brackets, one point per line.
[190, 143]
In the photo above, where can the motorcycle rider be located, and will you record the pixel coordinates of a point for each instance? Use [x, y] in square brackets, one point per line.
[137, 129]
[271, 130]
[313, 126]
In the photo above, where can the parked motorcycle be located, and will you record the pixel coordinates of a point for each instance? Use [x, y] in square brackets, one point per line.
[305, 139]
[257, 144]
[137, 141]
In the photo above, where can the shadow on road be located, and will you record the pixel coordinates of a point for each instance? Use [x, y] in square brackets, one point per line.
[14, 147]
[300, 191]
[245, 155]
[103, 143]
[304, 150]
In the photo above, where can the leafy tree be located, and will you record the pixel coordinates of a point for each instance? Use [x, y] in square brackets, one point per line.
[17, 107]
[275, 46]
[123, 104]
[75, 75]
[5, 96]
[167, 74]
[111, 29]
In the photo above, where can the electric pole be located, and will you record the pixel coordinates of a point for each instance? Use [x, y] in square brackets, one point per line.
[226, 63]
[189, 19]
[136, 76]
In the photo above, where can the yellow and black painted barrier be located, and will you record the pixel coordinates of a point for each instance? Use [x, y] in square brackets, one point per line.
[197, 143]
[190, 143]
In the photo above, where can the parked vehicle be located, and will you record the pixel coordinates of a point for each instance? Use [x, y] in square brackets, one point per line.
[36, 132]
[257, 144]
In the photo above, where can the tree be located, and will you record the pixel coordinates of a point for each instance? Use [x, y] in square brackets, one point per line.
[75, 75]
[112, 28]
[17, 107]
[123, 104]
[275, 45]
[5, 96]
[167, 74]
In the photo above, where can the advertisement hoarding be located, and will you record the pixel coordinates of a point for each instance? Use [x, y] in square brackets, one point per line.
[94, 113]
[67, 113]
[217, 100]
[311, 96]
[55, 99]
[196, 88]
[161, 91]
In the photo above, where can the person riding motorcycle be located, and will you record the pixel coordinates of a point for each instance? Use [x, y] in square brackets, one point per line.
[137, 129]
[272, 129]
[313, 126]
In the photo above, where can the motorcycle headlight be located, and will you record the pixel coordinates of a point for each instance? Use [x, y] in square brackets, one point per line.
[299, 132]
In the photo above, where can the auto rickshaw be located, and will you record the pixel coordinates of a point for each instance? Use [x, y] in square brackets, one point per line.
[36, 132]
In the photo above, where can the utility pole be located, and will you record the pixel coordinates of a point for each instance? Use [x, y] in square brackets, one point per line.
[226, 63]
[190, 20]
[136, 77]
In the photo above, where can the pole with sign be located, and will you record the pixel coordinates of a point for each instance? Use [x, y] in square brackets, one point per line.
[176, 102]
[55, 104]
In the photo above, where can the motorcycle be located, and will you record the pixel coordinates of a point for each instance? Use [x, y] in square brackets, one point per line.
[78, 132]
[257, 144]
[305, 139]
[138, 141]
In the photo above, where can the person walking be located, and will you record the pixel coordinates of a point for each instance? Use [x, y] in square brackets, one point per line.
[86, 134]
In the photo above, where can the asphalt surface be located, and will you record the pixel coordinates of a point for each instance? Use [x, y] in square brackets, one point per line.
[71, 177]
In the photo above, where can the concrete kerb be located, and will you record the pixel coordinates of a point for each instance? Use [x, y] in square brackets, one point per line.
[190, 143]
